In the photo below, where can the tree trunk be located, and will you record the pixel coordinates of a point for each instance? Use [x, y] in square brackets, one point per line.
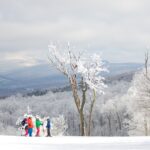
[109, 124]
[82, 121]
[146, 71]
[82, 124]
[79, 104]
[119, 121]
[146, 63]
[146, 127]
[91, 111]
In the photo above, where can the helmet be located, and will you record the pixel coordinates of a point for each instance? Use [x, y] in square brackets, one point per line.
[25, 116]
[37, 116]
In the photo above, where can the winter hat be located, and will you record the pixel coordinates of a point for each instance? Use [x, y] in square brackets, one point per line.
[30, 116]
[48, 118]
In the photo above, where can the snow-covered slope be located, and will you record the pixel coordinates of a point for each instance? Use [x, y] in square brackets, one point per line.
[74, 143]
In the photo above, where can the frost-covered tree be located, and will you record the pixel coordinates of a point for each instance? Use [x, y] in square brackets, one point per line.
[83, 73]
[61, 103]
[59, 125]
[140, 96]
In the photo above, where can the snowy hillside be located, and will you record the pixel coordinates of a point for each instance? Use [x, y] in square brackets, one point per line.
[74, 143]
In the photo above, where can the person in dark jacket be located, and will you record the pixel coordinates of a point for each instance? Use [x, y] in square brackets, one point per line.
[24, 123]
[48, 126]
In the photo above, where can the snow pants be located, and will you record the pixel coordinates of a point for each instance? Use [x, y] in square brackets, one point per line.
[30, 130]
[37, 131]
[48, 132]
[26, 132]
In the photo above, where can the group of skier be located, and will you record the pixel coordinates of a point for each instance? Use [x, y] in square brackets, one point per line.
[28, 124]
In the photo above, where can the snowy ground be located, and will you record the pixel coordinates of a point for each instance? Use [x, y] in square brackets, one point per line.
[74, 143]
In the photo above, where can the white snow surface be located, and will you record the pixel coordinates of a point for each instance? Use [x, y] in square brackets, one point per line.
[74, 143]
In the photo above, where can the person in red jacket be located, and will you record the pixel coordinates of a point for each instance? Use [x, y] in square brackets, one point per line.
[30, 126]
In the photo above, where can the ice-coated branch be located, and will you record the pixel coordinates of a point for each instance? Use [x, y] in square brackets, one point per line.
[91, 69]
[88, 67]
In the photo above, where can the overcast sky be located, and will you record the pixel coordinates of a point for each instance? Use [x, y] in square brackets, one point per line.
[120, 29]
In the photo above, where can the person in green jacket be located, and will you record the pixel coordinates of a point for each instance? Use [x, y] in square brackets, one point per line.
[38, 124]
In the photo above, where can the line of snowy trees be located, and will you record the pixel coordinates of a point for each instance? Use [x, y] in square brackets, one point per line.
[109, 116]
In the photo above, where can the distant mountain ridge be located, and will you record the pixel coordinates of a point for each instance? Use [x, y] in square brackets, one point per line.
[46, 77]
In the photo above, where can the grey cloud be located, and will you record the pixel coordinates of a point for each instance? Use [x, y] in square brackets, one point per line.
[120, 29]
